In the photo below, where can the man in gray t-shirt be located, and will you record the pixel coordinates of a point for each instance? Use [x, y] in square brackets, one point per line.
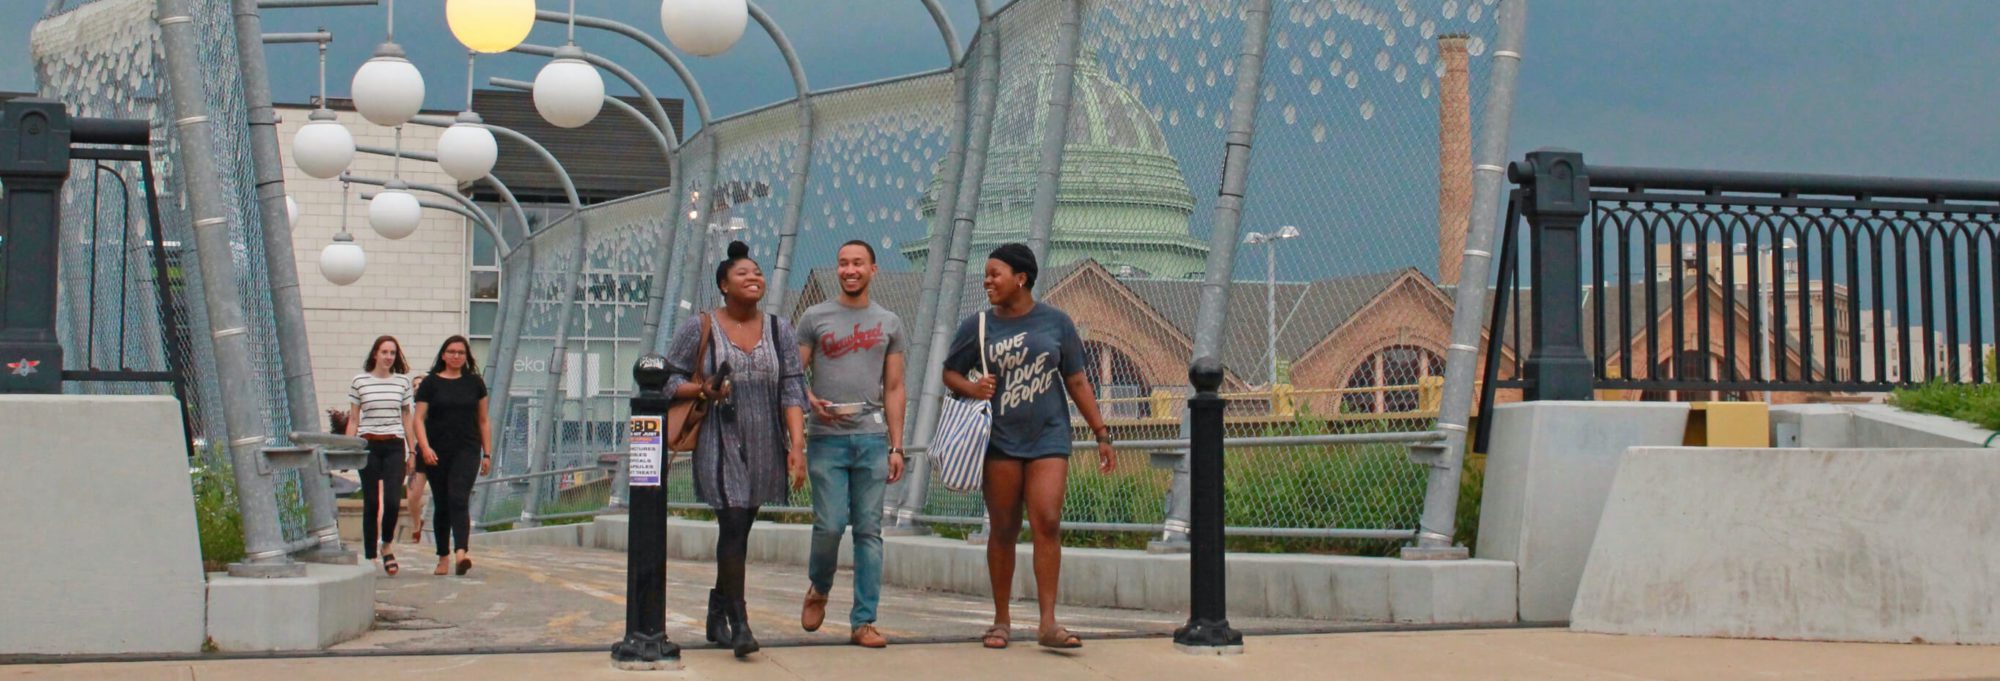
[853, 352]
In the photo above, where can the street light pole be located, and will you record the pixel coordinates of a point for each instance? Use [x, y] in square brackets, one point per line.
[1271, 312]
[1270, 243]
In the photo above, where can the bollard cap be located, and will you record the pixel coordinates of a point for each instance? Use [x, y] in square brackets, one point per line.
[650, 372]
[1206, 374]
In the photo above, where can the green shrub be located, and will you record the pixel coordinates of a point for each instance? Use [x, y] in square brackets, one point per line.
[217, 519]
[1977, 404]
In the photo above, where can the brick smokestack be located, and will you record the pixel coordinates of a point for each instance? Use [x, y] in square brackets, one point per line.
[1454, 157]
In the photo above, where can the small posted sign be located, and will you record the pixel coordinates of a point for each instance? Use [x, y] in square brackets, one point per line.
[647, 441]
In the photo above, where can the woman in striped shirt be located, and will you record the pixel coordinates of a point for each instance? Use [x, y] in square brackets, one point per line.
[379, 411]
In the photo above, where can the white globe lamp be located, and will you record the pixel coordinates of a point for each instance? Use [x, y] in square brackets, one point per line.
[467, 150]
[342, 261]
[704, 28]
[323, 147]
[490, 26]
[568, 91]
[388, 89]
[394, 212]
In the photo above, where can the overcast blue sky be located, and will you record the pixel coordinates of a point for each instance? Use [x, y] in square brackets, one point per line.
[1853, 86]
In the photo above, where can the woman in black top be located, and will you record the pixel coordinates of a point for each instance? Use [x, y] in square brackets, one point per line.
[453, 438]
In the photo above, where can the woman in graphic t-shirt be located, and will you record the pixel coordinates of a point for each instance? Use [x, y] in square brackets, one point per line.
[453, 438]
[1036, 359]
[379, 406]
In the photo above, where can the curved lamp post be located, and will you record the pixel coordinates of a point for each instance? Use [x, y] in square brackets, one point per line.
[898, 502]
[977, 115]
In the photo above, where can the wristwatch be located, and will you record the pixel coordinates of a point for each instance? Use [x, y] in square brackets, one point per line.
[898, 451]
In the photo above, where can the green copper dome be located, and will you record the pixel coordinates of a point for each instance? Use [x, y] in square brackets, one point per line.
[1122, 200]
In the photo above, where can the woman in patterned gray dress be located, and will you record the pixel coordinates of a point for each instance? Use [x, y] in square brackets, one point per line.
[755, 431]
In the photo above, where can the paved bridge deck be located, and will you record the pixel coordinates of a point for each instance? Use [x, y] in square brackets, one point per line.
[566, 597]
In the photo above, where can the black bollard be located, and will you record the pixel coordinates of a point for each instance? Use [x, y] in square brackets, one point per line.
[646, 646]
[1207, 631]
[34, 160]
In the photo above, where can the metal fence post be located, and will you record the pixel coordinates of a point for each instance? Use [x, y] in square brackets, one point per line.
[1207, 631]
[34, 162]
[1445, 461]
[1557, 201]
[904, 500]
[965, 214]
[1055, 129]
[264, 545]
[1229, 200]
[287, 311]
[645, 646]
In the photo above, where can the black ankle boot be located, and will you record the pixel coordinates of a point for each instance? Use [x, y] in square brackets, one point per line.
[744, 642]
[718, 623]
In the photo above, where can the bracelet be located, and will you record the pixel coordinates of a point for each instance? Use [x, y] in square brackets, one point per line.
[898, 451]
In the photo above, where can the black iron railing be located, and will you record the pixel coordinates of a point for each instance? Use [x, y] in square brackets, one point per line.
[1704, 285]
[122, 276]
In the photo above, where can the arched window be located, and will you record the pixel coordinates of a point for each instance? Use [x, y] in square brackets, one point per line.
[1113, 375]
[1394, 366]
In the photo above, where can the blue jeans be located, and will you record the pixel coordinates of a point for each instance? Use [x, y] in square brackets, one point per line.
[849, 473]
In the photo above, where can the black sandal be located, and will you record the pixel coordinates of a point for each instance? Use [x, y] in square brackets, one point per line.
[464, 566]
[389, 564]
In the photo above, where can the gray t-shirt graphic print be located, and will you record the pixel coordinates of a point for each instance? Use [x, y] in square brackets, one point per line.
[1030, 354]
[849, 348]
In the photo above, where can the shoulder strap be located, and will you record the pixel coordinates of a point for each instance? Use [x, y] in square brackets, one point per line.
[701, 350]
[982, 346]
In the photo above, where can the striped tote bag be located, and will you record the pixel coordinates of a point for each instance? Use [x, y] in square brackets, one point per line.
[965, 425]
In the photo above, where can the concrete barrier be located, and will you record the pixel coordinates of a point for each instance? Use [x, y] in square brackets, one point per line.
[1833, 426]
[330, 605]
[101, 552]
[1548, 470]
[1805, 544]
[1337, 588]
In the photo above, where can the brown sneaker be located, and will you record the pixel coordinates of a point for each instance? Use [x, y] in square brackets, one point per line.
[867, 637]
[814, 613]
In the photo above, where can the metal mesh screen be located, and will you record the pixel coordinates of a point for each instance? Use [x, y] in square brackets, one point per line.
[1335, 325]
[102, 59]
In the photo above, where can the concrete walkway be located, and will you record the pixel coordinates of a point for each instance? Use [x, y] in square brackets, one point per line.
[1543, 655]
[541, 597]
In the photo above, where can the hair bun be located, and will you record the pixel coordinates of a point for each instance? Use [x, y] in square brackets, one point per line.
[738, 249]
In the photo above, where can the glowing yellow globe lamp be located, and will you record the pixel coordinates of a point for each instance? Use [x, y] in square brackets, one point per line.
[490, 26]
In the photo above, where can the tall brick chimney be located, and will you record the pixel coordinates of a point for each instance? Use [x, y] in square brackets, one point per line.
[1454, 157]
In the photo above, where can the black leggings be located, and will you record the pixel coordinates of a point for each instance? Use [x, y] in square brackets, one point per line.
[451, 496]
[732, 548]
[385, 466]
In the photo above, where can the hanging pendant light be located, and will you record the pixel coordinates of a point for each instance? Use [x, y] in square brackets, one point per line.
[394, 212]
[467, 150]
[388, 89]
[704, 28]
[342, 261]
[490, 26]
[568, 91]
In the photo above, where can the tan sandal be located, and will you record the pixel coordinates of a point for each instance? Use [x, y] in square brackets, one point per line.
[997, 636]
[1060, 638]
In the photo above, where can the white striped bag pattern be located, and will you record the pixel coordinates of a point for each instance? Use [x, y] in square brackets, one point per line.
[965, 425]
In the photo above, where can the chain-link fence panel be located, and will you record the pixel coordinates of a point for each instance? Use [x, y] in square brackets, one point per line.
[102, 59]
